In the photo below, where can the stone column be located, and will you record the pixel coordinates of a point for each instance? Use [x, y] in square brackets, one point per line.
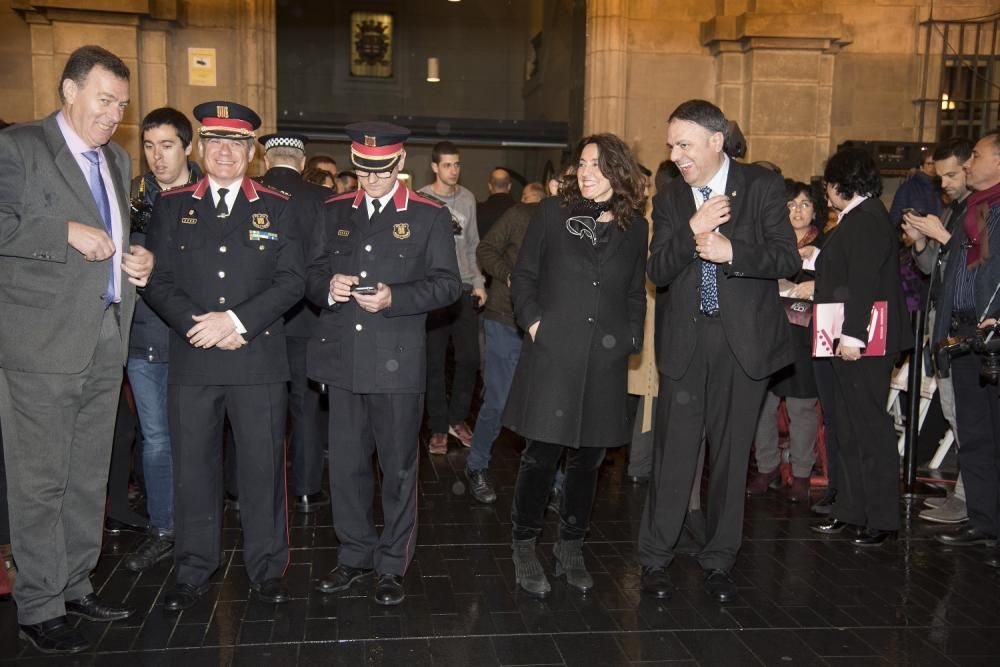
[775, 77]
[605, 89]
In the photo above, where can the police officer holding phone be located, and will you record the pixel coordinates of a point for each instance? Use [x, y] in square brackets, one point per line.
[382, 258]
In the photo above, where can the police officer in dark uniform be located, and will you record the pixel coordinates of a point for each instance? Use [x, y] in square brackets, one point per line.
[229, 267]
[382, 259]
[285, 157]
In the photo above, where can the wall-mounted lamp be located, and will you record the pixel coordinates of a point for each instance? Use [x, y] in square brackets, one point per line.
[433, 75]
[947, 104]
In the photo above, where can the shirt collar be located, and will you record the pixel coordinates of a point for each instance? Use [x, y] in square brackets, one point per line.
[717, 182]
[383, 200]
[232, 190]
[851, 205]
[75, 144]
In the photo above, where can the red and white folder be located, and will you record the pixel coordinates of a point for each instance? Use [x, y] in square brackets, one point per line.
[828, 320]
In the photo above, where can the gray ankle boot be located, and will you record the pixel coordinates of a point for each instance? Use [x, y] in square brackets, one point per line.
[569, 561]
[528, 570]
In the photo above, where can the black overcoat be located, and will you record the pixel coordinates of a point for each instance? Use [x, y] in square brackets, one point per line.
[570, 385]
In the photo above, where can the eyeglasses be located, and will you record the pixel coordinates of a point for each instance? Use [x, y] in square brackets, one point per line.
[380, 175]
[804, 205]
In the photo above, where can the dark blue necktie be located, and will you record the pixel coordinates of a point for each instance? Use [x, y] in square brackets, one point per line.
[100, 194]
[709, 287]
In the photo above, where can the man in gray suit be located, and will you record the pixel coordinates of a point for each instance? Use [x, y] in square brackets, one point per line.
[67, 277]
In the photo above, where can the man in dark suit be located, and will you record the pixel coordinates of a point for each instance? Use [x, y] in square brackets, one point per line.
[285, 157]
[488, 212]
[721, 239]
[232, 267]
[67, 276]
[382, 259]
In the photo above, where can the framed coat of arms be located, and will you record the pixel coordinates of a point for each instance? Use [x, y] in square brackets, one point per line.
[371, 44]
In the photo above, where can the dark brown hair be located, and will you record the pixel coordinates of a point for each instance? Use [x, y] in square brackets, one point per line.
[619, 166]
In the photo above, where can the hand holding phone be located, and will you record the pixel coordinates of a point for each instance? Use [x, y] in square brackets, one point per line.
[364, 289]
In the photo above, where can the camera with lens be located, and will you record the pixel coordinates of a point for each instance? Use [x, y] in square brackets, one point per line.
[985, 343]
[140, 211]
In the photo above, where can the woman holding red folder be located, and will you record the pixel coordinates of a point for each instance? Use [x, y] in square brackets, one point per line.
[859, 265]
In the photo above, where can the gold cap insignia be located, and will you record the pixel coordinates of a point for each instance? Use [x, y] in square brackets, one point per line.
[370, 141]
[222, 111]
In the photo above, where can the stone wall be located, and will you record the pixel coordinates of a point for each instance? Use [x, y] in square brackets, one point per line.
[152, 37]
[800, 76]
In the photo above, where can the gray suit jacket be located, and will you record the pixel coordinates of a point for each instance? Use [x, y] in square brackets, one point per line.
[50, 296]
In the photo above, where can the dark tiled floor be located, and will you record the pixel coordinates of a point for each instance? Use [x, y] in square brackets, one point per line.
[805, 600]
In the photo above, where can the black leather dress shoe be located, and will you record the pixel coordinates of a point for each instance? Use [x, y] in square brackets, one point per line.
[341, 578]
[92, 609]
[311, 502]
[967, 537]
[719, 585]
[273, 590]
[389, 589]
[872, 537]
[116, 527]
[828, 526]
[183, 597]
[55, 635]
[656, 582]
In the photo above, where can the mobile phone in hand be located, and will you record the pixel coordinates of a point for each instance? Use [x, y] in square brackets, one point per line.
[364, 289]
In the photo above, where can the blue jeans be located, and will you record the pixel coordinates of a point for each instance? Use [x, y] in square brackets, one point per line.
[503, 349]
[149, 387]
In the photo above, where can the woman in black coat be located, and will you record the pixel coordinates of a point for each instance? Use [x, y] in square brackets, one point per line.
[859, 265]
[579, 291]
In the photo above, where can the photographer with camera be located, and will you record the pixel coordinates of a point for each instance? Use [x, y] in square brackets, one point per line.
[931, 250]
[966, 309]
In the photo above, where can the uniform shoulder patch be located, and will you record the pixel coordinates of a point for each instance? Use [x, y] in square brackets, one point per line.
[260, 187]
[340, 196]
[176, 191]
[424, 199]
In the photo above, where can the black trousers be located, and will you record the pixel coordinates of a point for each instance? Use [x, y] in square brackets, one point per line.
[257, 415]
[716, 397]
[361, 425]
[868, 479]
[826, 392]
[977, 405]
[309, 423]
[459, 323]
[539, 461]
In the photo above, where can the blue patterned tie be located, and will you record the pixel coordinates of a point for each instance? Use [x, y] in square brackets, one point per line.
[709, 288]
[100, 194]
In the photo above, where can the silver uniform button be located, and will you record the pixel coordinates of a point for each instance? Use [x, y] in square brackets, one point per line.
[223, 248]
[364, 274]
[222, 274]
[368, 248]
[222, 299]
[358, 327]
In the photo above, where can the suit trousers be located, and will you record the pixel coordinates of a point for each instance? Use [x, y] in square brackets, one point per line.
[715, 396]
[57, 434]
[459, 323]
[868, 478]
[309, 420]
[257, 415]
[978, 410]
[361, 425]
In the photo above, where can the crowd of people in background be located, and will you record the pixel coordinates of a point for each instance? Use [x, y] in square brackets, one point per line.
[616, 307]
